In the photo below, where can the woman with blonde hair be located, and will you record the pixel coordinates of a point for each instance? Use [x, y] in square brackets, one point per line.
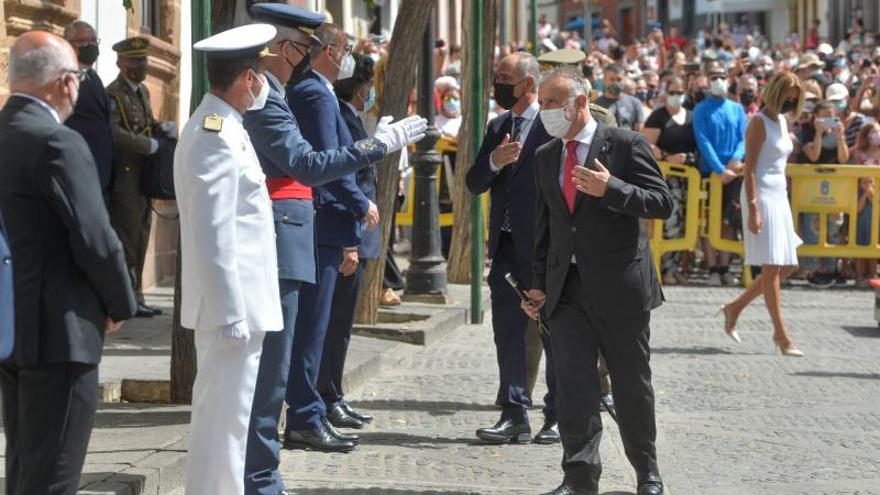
[770, 239]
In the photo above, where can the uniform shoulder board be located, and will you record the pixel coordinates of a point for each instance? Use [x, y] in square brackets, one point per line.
[213, 123]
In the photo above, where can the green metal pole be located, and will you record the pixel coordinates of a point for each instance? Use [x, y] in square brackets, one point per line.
[201, 29]
[533, 26]
[476, 93]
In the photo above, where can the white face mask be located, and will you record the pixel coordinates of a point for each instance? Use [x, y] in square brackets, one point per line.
[675, 100]
[346, 69]
[555, 122]
[718, 87]
[260, 99]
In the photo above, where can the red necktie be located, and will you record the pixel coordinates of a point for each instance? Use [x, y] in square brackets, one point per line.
[568, 187]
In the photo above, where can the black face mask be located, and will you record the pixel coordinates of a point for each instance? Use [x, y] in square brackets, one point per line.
[504, 96]
[300, 69]
[138, 74]
[747, 97]
[642, 96]
[788, 106]
[88, 54]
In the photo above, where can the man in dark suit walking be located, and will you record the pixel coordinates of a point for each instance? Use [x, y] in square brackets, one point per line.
[342, 209]
[70, 278]
[594, 277]
[7, 302]
[91, 116]
[356, 94]
[505, 166]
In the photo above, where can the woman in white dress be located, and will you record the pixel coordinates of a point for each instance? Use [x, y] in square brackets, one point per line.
[770, 239]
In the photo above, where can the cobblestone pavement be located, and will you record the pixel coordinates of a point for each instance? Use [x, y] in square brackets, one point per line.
[733, 419]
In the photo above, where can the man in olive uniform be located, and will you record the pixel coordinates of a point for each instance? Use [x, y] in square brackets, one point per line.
[575, 57]
[133, 124]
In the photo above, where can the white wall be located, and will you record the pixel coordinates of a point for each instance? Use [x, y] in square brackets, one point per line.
[109, 21]
[186, 42]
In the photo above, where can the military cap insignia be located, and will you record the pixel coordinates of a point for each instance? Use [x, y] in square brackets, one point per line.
[213, 123]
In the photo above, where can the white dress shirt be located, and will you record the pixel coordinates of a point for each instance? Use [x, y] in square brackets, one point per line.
[584, 139]
[530, 114]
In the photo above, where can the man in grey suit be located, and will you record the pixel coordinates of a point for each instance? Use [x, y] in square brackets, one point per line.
[594, 277]
[70, 279]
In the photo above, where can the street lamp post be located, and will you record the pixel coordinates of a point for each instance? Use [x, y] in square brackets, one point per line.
[427, 269]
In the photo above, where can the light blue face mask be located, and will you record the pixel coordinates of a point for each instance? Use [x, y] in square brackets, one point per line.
[452, 105]
[370, 102]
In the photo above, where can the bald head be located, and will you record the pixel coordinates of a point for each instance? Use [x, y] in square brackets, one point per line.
[37, 59]
[44, 66]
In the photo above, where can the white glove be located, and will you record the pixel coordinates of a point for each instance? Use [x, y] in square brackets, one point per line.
[402, 133]
[237, 331]
[169, 128]
[154, 146]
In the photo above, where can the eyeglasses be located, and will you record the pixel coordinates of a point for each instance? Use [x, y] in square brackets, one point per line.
[346, 49]
[80, 74]
[297, 45]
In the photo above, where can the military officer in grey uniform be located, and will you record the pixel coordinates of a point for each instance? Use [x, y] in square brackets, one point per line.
[534, 349]
[133, 125]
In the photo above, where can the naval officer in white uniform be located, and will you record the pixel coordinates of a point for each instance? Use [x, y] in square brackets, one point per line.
[229, 278]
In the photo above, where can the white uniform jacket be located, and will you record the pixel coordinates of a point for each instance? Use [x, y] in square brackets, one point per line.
[229, 272]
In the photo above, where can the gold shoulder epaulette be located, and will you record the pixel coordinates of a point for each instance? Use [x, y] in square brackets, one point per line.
[213, 122]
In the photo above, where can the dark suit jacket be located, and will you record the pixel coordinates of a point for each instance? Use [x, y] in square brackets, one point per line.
[69, 269]
[7, 303]
[284, 152]
[91, 119]
[606, 235]
[513, 187]
[366, 181]
[341, 204]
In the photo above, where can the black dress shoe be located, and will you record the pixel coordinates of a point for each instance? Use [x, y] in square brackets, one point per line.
[650, 484]
[365, 418]
[143, 311]
[341, 419]
[319, 439]
[156, 311]
[549, 433]
[606, 403]
[566, 489]
[507, 430]
[338, 434]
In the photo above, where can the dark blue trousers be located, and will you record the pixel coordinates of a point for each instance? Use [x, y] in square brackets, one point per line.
[261, 476]
[305, 406]
[345, 299]
[509, 325]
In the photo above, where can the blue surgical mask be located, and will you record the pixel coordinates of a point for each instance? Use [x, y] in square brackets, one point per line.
[371, 100]
[452, 105]
[840, 105]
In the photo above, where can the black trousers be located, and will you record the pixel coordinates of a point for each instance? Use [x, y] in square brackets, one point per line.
[509, 325]
[577, 334]
[345, 298]
[48, 414]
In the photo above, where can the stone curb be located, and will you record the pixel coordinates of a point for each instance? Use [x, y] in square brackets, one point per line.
[164, 471]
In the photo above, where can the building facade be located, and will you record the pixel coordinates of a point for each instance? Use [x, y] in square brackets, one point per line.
[166, 24]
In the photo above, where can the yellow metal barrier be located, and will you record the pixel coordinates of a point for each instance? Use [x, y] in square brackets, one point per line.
[830, 189]
[818, 189]
[661, 246]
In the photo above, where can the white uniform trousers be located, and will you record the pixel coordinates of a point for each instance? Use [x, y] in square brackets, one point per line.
[221, 409]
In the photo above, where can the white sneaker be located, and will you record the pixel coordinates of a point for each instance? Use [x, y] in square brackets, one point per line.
[714, 279]
[729, 279]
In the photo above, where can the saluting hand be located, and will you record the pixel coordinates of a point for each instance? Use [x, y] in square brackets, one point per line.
[592, 182]
[506, 152]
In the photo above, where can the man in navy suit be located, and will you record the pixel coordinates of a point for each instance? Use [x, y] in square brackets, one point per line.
[91, 115]
[356, 94]
[343, 211]
[504, 166]
[7, 308]
[292, 166]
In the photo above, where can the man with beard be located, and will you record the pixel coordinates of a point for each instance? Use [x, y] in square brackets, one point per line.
[133, 127]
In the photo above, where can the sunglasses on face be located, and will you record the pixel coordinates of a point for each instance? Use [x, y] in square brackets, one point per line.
[675, 93]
